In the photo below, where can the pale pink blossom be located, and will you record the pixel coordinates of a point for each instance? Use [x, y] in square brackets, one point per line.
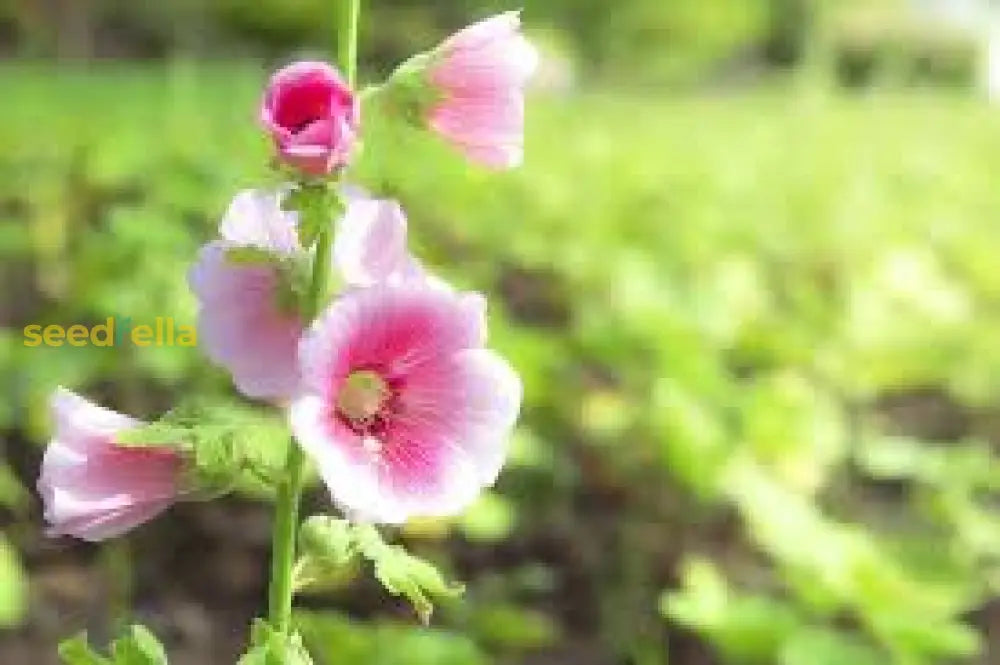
[480, 74]
[402, 408]
[370, 245]
[312, 116]
[93, 489]
[245, 320]
[248, 317]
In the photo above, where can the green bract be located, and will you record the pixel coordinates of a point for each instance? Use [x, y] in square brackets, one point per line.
[224, 443]
[407, 95]
[318, 204]
[328, 544]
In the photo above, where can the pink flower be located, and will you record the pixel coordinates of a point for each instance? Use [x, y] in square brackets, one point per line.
[404, 411]
[248, 318]
[243, 324]
[93, 489]
[480, 74]
[312, 116]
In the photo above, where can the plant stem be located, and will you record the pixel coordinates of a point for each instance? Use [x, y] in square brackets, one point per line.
[118, 568]
[283, 545]
[290, 489]
[347, 40]
[286, 519]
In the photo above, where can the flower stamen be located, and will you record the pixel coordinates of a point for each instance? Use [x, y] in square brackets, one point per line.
[362, 397]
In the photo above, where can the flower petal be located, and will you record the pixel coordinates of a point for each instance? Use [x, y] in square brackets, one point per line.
[79, 423]
[484, 31]
[99, 526]
[393, 328]
[241, 325]
[370, 245]
[495, 65]
[255, 219]
[488, 129]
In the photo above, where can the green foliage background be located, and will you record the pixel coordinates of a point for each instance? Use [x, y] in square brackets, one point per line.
[757, 331]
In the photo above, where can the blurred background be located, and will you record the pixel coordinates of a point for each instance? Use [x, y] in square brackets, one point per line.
[748, 274]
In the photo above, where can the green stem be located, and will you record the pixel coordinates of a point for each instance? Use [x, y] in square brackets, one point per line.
[347, 40]
[290, 489]
[286, 519]
[285, 522]
[118, 567]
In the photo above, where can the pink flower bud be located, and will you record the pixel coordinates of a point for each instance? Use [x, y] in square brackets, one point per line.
[312, 116]
[93, 489]
[480, 74]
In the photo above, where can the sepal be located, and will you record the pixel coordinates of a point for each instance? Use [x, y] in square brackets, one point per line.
[407, 94]
[224, 444]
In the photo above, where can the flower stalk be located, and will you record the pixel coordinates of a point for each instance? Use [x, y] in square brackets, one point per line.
[347, 41]
[290, 490]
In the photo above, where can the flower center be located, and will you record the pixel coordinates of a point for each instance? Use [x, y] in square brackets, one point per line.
[362, 396]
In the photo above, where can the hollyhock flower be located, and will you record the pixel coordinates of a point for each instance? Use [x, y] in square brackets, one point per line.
[312, 117]
[245, 322]
[93, 489]
[473, 89]
[248, 318]
[403, 410]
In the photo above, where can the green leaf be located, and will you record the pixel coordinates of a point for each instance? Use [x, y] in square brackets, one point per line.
[270, 647]
[13, 586]
[507, 627]
[12, 492]
[403, 574]
[822, 646]
[138, 647]
[76, 651]
[746, 627]
[334, 639]
[490, 519]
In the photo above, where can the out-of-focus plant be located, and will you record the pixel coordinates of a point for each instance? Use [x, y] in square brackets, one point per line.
[13, 585]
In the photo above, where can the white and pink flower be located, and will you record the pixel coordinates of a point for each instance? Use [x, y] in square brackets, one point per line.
[479, 75]
[312, 116]
[404, 411]
[93, 489]
[248, 320]
[243, 324]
